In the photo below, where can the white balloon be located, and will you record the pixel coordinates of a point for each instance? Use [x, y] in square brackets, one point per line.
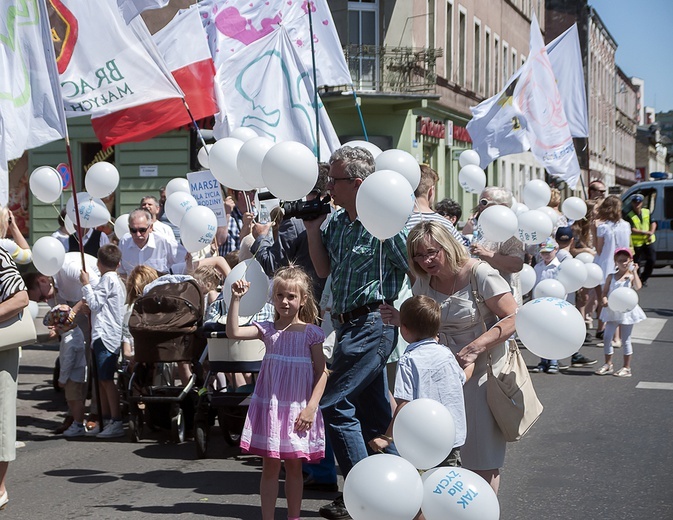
[69, 225]
[373, 149]
[250, 159]
[472, 178]
[101, 179]
[121, 225]
[594, 274]
[33, 309]
[460, 494]
[551, 213]
[204, 156]
[222, 160]
[179, 184]
[549, 288]
[572, 273]
[177, 205]
[290, 170]
[401, 162]
[384, 202]
[469, 157]
[527, 278]
[574, 208]
[198, 228]
[498, 223]
[536, 194]
[585, 257]
[424, 432]
[46, 184]
[519, 208]
[48, 255]
[534, 227]
[550, 328]
[244, 133]
[92, 211]
[623, 299]
[251, 271]
[383, 487]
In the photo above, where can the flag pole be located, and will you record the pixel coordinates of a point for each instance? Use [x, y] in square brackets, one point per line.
[315, 81]
[196, 126]
[357, 107]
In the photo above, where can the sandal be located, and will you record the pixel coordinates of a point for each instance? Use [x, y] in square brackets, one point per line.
[605, 370]
[623, 372]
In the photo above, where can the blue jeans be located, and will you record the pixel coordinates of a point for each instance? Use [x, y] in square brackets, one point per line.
[355, 404]
[324, 472]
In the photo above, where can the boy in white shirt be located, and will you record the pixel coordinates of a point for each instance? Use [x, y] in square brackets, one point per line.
[427, 369]
[106, 302]
[543, 271]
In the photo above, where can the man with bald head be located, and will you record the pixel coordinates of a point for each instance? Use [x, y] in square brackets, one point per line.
[144, 247]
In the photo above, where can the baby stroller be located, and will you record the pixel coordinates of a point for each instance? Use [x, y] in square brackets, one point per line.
[229, 404]
[163, 324]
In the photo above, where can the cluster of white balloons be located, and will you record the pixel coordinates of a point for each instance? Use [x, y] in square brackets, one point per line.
[390, 487]
[471, 176]
[46, 185]
[245, 161]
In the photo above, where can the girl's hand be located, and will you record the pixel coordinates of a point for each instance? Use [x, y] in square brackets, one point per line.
[239, 288]
[304, 421]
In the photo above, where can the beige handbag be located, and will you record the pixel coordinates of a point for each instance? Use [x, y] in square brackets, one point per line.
[17, 331]
[510, 395]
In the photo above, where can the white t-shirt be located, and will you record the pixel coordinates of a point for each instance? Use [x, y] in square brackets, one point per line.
[428, 369]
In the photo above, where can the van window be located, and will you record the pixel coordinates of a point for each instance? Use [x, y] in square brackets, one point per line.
[668, 203]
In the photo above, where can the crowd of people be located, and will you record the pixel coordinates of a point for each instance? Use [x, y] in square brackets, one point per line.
[347, 306]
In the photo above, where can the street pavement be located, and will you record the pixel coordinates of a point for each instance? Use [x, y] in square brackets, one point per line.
[603, 449]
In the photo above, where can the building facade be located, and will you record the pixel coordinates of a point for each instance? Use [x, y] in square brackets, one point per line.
[626, 110]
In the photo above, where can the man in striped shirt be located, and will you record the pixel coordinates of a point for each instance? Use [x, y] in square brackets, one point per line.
[425, 197]
[356, 396]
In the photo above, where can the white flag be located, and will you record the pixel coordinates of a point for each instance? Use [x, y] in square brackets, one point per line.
[232, 25]
[538, 97]
[268, 89]
[4, 173]
[566, 60]
[30, 100]
[498, 127]
[132, 8]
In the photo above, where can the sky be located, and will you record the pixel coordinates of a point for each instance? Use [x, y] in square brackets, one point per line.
[642, 30]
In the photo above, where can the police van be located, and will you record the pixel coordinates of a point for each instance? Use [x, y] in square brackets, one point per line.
[658, 198]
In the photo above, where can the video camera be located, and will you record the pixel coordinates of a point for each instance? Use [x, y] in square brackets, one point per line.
[304, 210]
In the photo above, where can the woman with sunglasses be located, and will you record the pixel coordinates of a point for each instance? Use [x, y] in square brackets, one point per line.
[508, 256]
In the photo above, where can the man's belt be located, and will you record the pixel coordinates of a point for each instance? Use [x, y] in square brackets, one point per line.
[359, 312]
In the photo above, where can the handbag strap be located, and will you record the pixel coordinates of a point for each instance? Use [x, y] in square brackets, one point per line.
[480, 303]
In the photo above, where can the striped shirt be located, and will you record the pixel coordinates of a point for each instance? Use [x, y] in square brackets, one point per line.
[417, 217]
[354, 263]
[10, 279]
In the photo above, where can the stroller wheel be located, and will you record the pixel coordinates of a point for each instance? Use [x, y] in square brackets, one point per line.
[201, 439]
[178, 427]
[231, 429]
[135, 427]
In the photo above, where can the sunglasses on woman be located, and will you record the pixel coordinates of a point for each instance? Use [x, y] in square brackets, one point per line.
[485, 202]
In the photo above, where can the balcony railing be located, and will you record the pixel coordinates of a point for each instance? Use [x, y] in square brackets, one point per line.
[393, 69]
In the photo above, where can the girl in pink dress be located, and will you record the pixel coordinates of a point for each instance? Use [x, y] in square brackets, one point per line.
[284, 421]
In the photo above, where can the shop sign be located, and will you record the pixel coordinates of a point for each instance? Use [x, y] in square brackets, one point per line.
[431, 128]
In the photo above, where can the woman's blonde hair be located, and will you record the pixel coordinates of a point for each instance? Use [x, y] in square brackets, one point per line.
[554, 198]
[610, 209]
[455, 252]
[295, 276]
[4, 221]
[137, 279]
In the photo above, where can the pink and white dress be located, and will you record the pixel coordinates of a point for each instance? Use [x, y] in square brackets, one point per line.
[282, 390]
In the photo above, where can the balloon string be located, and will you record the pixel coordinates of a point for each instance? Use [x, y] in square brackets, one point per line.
[383, 300]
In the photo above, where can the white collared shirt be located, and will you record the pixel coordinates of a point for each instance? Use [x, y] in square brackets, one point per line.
[429, 369]
[164, 230]
[157, 252]
[106, 302]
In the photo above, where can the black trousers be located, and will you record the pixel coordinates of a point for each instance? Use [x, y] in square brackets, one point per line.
[645, 257]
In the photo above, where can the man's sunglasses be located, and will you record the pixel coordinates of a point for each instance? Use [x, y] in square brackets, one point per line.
[141, 230]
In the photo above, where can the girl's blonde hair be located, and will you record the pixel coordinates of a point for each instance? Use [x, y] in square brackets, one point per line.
[610, 209]
[208, 277]
[137, 279]
[454, 252]
[295, 276]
